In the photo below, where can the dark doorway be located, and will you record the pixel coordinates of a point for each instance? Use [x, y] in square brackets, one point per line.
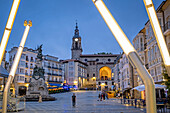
[22, 90]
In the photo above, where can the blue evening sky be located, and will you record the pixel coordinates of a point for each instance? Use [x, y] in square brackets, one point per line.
[54, 24]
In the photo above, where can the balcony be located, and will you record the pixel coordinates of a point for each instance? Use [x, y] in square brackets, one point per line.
[26, 66]
[49, 74]
[49, 66]
[55, 67]
[31, 67]
[26, 74]
[55, 74]
[54, 81]
[31, 60]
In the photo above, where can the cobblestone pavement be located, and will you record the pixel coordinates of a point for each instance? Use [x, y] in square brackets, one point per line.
[86, 103]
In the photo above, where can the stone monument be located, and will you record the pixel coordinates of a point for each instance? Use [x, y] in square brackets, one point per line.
[37, 86]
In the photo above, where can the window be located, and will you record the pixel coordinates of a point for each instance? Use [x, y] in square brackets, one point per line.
[23, 56]
[22, 78]
[32, 60]
[85, 60]
[27, 58]
[93, 63]
[106, 83]
[21, 70]
[97, 59]
[22, 63]
[109, 60]
[87, 75]
[99, 83]
[93, 75]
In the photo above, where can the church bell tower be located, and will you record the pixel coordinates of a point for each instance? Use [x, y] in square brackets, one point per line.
[76, 45]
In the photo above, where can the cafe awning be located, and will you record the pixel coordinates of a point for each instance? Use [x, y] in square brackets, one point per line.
[3, 72]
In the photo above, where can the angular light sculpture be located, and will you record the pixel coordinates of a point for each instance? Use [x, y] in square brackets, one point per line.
[15, 65]
[131, 53]
[158, 33]
[8, 28]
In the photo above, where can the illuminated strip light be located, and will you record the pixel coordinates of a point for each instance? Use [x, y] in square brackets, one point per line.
[114, 27]
[19, 52]
[14, 66]
[157, 31]
[8, 28]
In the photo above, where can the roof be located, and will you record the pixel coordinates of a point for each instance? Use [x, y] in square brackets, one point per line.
[3, 72]
[74, 60]
[100, 55]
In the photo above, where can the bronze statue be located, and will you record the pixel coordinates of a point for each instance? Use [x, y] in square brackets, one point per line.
[39, 56]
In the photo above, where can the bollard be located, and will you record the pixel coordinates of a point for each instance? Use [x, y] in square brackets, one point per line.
[135, 102]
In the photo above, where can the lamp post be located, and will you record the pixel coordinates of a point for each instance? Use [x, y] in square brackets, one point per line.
[15, 65]
[158, 33]
[8, 28]
[131, 53]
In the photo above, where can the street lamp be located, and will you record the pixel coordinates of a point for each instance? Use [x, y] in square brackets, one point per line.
[8, 28]
[15, 65]
[131, 53]
[158, 33]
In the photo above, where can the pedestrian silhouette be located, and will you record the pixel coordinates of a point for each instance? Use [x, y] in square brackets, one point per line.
[74, 100]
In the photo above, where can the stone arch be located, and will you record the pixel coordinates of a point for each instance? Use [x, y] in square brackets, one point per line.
[105, 73]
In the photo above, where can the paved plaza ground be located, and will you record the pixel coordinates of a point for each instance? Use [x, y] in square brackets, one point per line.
[86, 103]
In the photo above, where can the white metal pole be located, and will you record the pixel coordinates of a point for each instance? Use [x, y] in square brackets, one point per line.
[14, 66]
[158, 33]
[131, 53]
[8, 28]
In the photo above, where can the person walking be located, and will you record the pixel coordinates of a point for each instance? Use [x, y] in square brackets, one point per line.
[107, 96]
[74, 100]
[103, 96]
[99, 96]
[40, 98]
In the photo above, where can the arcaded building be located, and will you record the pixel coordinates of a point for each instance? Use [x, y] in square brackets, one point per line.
[99, 73]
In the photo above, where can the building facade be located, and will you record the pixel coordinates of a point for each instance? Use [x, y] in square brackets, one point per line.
[75, 73]
[52, 67]
[98, 67]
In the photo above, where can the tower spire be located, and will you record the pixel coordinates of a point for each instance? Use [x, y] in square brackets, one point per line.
[76, 33]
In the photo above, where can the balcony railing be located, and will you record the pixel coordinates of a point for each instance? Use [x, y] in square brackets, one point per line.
[49, 73]
[167, 26]
[55, 67]
[32, 60]
[55, 74]
[31, 67]
[55, 81]
[49, 66]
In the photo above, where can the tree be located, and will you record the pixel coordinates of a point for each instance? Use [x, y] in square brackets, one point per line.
[166, 78]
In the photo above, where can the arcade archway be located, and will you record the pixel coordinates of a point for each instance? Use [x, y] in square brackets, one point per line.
[105, 73]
